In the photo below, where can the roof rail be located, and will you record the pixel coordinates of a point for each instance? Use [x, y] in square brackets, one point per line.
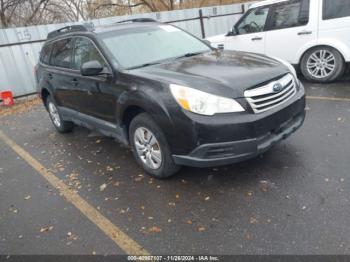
[69, 29]
[137, 20]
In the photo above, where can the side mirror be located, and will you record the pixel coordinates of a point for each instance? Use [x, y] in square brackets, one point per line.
[232, 33]
[91, 68]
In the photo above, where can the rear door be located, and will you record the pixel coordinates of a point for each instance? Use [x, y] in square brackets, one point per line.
[291, 27]
[59, 73]
[250, 32]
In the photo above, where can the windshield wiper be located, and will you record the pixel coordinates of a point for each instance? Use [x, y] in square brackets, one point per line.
[156, 63]
[190, 54]
[144, 65]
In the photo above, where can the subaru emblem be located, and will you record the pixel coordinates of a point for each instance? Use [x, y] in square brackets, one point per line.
[277, 87]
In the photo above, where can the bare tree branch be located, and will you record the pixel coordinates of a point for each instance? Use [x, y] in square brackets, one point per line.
[35, 11]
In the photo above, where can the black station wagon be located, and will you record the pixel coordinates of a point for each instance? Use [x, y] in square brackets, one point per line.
[167, 94]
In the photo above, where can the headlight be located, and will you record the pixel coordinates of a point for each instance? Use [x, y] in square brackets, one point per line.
[203, 103]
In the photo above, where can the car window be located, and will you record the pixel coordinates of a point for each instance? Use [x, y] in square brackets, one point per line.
[62, 53]
[45, 54]
[85, 51]
[253, 22]
[291, 14]
[335, 9]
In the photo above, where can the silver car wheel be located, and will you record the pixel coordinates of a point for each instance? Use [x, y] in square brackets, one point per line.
[147, 148]
[54, 115]
[321, 64]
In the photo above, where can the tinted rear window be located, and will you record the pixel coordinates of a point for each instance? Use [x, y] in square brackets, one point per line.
[335, 9]
[62, 53]
[290, 14]
[45, 54]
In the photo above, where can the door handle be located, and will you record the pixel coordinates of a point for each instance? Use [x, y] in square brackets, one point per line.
[305, 33]
[49, 76]
[257, 38]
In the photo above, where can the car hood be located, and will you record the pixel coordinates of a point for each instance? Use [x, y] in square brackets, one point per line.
[225, 73]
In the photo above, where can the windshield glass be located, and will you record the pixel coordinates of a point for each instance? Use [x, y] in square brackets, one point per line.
[141, 46]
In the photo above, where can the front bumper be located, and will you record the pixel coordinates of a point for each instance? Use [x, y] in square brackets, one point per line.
[219, 154]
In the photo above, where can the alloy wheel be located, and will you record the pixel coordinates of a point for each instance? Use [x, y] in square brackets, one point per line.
[54, 115]
[147, 147]
[321, 64]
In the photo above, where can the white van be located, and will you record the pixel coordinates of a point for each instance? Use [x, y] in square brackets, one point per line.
[311, 34]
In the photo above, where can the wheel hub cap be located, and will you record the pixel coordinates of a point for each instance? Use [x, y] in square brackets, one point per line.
[147, 147]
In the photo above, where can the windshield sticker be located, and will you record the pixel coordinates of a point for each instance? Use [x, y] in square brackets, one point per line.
[169, 28]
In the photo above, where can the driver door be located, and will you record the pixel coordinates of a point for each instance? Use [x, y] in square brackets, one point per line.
[96, 94]
[250, 32]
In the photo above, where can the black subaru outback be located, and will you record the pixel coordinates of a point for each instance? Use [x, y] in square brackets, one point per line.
[169, 95]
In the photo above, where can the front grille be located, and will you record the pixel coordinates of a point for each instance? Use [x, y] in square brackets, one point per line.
[264, 98]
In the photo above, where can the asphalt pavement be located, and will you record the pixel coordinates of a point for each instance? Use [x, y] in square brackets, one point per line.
[294, 199]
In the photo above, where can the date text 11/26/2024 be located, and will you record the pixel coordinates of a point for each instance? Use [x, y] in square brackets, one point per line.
[173, 258]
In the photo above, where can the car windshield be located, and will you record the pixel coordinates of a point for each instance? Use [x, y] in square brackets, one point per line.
[144, 46]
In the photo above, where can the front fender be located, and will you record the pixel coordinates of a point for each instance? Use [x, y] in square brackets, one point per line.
[150, 100]
[156, 100]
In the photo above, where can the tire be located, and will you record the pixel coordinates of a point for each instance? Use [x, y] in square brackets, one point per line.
[145, 136]
[312, 64]
[56, 117]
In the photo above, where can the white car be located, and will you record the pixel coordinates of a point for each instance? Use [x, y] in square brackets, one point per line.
[311, 34]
